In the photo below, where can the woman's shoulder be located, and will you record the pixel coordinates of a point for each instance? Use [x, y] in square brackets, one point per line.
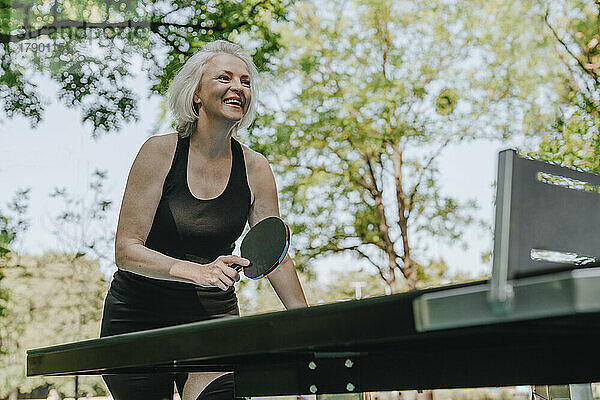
[161, 142]
[254, 160]
[159, 147]
[260, 176]
[157, 153]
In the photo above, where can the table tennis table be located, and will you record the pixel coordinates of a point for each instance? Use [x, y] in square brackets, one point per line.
[535, 322]
[436, 338]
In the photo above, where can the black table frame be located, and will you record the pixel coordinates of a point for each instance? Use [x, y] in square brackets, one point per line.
[363, 345]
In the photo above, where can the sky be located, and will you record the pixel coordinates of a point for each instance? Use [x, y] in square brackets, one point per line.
[60, 153]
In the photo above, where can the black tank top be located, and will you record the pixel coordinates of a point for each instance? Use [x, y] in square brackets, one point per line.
[193, 229]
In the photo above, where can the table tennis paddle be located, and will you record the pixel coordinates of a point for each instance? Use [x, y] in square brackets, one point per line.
[265, 246]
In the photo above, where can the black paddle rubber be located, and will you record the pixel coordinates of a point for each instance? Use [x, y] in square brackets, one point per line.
[265, 245]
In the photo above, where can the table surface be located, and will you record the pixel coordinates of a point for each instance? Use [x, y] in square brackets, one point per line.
[443, 337]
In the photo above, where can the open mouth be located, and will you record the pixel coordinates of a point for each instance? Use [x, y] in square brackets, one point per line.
[236, 103]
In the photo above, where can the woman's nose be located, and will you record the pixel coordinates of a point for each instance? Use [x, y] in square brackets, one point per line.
[236, 84]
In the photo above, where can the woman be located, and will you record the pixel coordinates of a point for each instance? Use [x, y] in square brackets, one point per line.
[188, 197]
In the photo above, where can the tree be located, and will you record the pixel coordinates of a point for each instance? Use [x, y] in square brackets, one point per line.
[82, 229]
[89, 48]
[53, 299]
[383, 88]
[258, 297]
[6, 237]
[82, 226]
[67, 285]
[12, 224]
[14, 221]
[574, 140]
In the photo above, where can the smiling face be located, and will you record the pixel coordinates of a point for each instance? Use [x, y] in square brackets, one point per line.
[224, 89]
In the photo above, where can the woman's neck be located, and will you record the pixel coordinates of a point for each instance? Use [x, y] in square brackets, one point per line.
[212, 138]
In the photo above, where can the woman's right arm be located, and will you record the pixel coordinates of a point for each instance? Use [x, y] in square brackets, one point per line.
[140, 201]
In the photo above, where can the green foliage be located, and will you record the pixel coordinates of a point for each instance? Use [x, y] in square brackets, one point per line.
[11, 225]
[574, 138]
[54, 298]
[575, 143]
[6, 236]
[446, 101]
[258, 297]
[90, 47]
[366, 226]
[379, 89]
[518, 62]
[19, 96]
[437, 273]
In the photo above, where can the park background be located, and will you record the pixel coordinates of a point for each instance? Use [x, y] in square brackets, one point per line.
[382, 120]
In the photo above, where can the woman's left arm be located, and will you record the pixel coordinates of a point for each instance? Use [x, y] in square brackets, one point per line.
[284, 278]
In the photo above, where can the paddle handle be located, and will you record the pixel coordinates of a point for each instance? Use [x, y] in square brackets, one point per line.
[238, 267]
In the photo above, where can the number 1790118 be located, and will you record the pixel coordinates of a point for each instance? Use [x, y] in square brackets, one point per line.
[42, 47]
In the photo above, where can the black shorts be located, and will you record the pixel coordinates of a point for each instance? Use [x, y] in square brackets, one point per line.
[136, 303]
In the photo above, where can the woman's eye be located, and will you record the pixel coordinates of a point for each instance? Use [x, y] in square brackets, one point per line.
[226, 78]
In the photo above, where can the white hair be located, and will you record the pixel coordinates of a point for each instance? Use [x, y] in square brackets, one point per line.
[181, 92]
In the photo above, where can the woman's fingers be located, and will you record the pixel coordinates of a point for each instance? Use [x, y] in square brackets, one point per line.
[223, 286]
[220, 273]
[234, 260]
[229, 262]
[228, 275]
[231, 273]
[227, 282]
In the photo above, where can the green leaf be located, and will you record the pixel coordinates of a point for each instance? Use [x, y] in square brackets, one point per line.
[446, 101]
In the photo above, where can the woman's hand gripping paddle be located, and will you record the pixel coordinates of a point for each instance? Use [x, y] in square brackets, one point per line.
[265, 246]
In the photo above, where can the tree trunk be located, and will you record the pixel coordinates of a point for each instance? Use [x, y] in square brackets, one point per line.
[377, 196]
[395, 284]
[410, 272]
[408, 268]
